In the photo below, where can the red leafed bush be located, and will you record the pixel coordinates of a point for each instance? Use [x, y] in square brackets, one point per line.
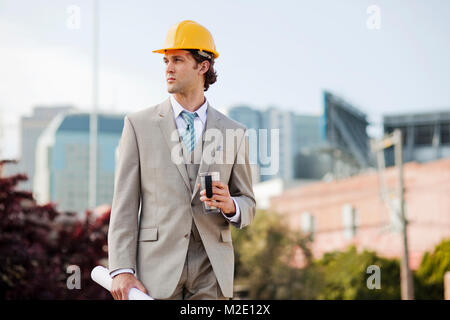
[38, 243]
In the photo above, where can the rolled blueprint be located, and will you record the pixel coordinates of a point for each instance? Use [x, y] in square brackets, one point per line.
[101, 275]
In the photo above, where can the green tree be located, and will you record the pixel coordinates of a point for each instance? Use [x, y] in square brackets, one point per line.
[345, 275]
[263, 254]
[429, 278]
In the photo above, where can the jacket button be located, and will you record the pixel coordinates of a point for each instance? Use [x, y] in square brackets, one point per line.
[186, 235]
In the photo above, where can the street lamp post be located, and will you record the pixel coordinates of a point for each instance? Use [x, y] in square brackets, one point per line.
[395, 139]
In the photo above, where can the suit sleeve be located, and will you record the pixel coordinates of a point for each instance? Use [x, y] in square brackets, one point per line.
[240, 185]
[123, 225]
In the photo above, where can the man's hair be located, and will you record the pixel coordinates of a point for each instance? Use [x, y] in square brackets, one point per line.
[211, 74]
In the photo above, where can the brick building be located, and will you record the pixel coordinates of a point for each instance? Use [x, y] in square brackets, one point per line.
[351, 211]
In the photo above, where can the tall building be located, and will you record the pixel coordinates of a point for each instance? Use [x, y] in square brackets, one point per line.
[31, 128]
[345, 129]
[62, 160]
[343, 147]
[307, 162]
[294, 133]
[274, 118]
[310, 147]
[426, 136]
[251, 118]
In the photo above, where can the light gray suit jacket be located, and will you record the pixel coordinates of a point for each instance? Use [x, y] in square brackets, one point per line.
[153, 205]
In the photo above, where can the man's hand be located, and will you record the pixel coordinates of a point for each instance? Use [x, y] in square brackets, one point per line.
[221, 198]
[122, 283]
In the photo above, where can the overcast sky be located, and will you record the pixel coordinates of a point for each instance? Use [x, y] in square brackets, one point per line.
[280, 53]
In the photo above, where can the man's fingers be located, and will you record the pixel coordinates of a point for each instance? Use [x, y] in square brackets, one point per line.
[219, 191]
[216, 190]
[141, 287]
[124, 293]
[122, 284]
[219, 198]
[115, 293]
[219, 184]
[218, 204]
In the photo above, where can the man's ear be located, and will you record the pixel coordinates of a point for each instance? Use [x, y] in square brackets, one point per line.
[204, 66]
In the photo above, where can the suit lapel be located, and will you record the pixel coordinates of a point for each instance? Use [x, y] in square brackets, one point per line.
[168, 126]
[212, 122]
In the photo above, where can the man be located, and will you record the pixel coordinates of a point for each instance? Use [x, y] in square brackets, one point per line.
[160, 239]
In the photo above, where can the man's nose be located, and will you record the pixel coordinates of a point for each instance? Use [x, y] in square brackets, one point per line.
[169, 67]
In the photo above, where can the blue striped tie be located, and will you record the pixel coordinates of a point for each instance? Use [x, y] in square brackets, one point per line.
[188, 135]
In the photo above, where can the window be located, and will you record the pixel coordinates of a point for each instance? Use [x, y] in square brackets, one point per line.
[308, 224]
[349, 221]
[445, 133]
[423, 135]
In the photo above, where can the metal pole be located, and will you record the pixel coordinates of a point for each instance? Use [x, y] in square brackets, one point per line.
[93, 115]
[407, 285]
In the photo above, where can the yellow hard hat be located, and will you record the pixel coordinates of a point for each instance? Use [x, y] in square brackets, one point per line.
[189, 35]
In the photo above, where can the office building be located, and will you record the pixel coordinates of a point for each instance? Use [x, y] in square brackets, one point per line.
[426, 135]
[62, 161]
[310, 147]
[31, 127]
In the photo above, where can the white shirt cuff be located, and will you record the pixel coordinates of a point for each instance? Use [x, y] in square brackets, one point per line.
[236, 218]
[119, 271]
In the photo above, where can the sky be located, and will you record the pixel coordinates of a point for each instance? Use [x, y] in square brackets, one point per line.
[272, 53]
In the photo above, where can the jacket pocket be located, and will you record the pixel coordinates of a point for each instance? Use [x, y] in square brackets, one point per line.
[225, 235]
[148, 234]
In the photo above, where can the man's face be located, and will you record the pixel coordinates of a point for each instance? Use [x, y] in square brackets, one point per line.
[182, 72]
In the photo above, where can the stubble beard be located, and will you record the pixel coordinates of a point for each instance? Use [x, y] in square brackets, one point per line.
[173, 89]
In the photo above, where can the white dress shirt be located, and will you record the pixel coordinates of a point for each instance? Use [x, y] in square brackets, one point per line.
[199, 124]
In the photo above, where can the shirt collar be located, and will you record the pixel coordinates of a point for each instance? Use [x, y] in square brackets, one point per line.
[177, 108]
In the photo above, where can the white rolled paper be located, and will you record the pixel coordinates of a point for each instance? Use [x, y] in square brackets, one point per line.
[101, 275]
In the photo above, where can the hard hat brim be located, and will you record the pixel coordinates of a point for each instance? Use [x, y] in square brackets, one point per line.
[215, 53]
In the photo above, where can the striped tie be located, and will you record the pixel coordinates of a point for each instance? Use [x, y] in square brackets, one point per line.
[189, 134]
